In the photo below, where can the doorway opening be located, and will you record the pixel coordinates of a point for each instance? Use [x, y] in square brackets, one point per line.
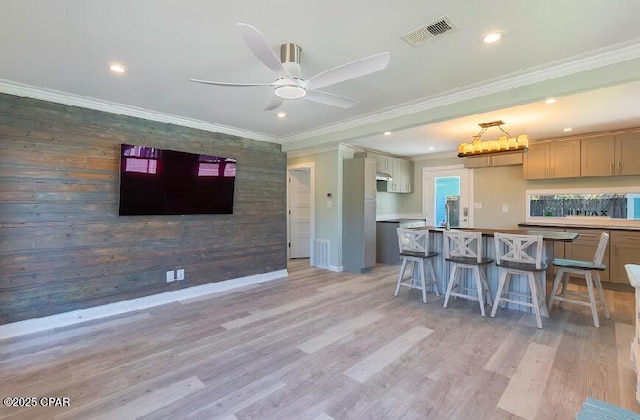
[446, 195]
[300, 210]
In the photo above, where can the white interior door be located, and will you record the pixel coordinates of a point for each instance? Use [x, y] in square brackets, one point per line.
[299, 212]
[453, 186]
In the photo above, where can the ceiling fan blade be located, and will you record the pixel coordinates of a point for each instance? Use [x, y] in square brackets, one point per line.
[349, 71]
[329, 99]
[275, 103]
[260, 48]
[208, 82]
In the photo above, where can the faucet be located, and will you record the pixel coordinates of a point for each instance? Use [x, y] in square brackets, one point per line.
[447, 209]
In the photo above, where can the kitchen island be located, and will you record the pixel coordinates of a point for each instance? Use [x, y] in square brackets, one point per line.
[519, 283]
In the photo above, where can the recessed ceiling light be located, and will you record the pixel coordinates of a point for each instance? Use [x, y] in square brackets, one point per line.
[387, 133]
[566, 130]
[281, 114]
[432, 148]
[492, 37]
[550, 101]
[117, 68]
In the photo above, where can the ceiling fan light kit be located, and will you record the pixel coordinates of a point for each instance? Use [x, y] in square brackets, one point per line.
[290, 92]
[290, 84]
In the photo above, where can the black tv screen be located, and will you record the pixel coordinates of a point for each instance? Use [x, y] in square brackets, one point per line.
[161, 182]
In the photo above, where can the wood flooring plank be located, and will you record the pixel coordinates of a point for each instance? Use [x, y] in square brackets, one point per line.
[626, 375]
[119, 406]
[528, 380]
[565, 389]
[323, 416]
[508, 356]
[386, 355]
[273, 312]
[236, 400]
[334, 334]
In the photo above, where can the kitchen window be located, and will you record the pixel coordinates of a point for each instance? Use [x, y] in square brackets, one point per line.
[598, 206]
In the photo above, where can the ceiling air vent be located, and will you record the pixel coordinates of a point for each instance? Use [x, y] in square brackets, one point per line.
[427, 32]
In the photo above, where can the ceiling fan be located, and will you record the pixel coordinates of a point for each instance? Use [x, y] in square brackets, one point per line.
[290, 84]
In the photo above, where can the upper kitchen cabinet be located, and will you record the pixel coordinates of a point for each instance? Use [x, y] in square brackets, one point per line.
[611, 155]
[597, 156]
[382, 161]
[627, 154]
[506, 159]
[559, 159]
[402, 173]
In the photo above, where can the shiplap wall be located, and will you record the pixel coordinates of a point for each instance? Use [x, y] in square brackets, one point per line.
[64, 247]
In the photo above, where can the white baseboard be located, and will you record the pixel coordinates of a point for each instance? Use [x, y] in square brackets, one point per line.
[29, 326]
[337, 269]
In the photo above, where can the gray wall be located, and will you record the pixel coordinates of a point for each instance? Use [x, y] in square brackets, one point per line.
[64, 247]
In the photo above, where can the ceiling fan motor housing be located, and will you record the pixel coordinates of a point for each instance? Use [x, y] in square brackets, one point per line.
[290, 53]
[290, 59]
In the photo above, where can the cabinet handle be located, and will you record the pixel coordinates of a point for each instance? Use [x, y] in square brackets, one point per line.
[611, 170]
[619, 167]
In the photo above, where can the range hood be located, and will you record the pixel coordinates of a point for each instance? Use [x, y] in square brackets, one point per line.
[381, 176]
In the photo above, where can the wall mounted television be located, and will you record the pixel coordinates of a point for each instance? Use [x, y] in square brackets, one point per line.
[165, 182]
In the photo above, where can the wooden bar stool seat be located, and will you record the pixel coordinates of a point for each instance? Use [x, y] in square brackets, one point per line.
[521, 255]
[414, 249]
[591, 272]
[463, 250]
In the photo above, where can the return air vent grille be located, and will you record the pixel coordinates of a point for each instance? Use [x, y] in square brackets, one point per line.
[320, 254]
[427, 32]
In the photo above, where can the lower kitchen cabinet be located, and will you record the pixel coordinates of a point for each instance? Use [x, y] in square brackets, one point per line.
[624, 249]
[387, 249]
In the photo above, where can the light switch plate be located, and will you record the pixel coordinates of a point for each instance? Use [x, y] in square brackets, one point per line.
[505, 208]
[170, 276]
[180, 274]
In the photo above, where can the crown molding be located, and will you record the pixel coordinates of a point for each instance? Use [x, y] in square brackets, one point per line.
[625, 51]
[51, 95]
[327, 147]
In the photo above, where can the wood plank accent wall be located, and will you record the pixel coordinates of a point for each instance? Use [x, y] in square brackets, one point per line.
[62, 244]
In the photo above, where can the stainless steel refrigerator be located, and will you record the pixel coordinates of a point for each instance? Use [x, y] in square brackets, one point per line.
[359, 215]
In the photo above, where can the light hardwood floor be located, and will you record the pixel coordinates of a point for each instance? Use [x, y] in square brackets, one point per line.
[322, 345]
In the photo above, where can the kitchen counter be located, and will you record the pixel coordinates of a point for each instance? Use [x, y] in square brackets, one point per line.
[585, 226]
[548, 235]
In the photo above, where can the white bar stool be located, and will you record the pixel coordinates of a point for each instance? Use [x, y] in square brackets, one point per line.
[591, 272]
[414, 248]
[523, 255]
[464, 251]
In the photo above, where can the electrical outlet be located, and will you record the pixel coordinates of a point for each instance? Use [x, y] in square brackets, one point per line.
[505, 208]
[180, 274]
[170, 276]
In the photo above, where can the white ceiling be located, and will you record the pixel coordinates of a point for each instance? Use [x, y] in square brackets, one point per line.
[66, 45]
